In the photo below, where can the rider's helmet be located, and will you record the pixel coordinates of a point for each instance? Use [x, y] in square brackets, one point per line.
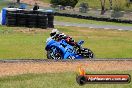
[54, 32]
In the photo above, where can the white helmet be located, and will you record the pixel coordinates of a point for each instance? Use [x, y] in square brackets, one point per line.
[53, 32]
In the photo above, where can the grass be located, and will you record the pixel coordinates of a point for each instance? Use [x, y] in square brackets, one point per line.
[21, 45]
[29, 45]
[92, 4]
[83, 21]
[3, 4]
[45, 1]
[96, 4]
[69, 19]
[55, 80]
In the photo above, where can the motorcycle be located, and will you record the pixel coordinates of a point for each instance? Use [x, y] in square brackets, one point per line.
[62, 50]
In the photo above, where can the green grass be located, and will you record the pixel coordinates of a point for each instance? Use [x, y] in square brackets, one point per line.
[3, 4]
[45, 1]
[104, 43]
[96, 4]
[83, 21]
[92, 3]
[54, 80]
[21, 45]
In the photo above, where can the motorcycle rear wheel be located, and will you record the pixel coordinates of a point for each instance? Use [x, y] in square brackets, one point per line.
[87, 53]
[90, 54]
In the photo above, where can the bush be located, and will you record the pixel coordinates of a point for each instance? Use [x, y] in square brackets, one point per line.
[117, 12]
[71, 3]
[83, 7]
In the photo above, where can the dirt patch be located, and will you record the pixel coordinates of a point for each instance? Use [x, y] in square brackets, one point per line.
[31, 30]
[32, 2]
[54, 67]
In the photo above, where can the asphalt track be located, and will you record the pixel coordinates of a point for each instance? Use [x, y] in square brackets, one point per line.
[49, 60]
[94, 26]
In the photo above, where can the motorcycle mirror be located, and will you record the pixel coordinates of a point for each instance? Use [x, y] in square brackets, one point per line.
[80, 42]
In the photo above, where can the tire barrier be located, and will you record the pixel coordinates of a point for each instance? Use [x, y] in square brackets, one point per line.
[11, 19]
[50, 20]
[11, 22]
[93, 18]
[23, 18]
[50, 24]
[42, 21]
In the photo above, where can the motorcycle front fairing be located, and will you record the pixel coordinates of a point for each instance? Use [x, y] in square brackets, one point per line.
[57, 45]
[48, 45]
[67, 50]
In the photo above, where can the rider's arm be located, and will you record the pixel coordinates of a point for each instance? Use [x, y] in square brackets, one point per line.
[55, 36]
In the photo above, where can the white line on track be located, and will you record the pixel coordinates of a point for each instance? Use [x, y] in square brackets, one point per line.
[49, 60]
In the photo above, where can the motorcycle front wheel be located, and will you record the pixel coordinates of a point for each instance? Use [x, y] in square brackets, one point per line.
[54, 53]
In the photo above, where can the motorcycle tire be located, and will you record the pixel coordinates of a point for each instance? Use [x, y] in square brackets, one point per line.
[57, 56]
[87, 53]
[48, 54]
[90, 54]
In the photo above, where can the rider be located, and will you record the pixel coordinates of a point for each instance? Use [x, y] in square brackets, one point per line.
[58, 36]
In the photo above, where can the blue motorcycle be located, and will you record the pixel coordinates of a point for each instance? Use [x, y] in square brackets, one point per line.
[63, 50]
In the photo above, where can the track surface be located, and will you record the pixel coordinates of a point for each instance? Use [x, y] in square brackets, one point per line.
[94, 26]
[48, 60]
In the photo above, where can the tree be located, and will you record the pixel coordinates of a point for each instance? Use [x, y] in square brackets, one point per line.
[71, 3]
[129, 2]
[111, 4]
[102, 7]
[18, 1]
[83, 7]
